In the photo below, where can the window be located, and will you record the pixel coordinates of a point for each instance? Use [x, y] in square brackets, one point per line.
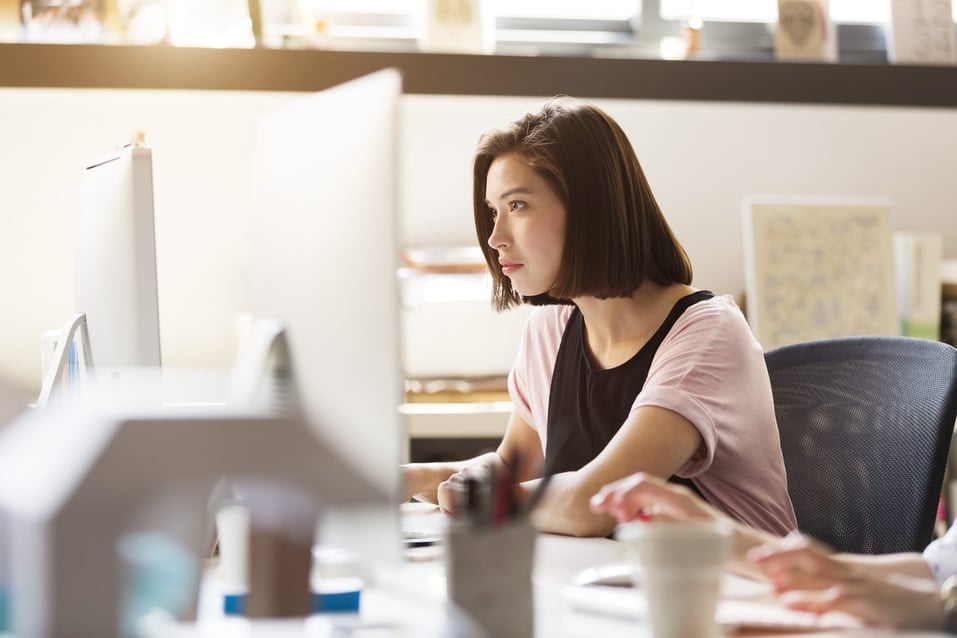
[521, 26]
[734, 29]
[743, 28]
[861, 11]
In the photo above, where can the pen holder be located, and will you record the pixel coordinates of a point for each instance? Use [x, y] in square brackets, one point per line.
[489, 575]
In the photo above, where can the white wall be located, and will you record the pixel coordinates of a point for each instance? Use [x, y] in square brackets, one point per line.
[701, 159]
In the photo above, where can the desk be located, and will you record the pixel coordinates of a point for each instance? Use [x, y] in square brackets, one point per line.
[417, 589]
[558, 559]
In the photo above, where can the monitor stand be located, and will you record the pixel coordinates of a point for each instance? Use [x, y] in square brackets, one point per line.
[75, 331]
[263, 379]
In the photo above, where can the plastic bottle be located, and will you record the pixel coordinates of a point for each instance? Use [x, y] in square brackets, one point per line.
[336, 581]
[232, 524]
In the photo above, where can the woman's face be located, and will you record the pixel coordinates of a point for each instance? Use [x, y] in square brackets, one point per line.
[529, 230]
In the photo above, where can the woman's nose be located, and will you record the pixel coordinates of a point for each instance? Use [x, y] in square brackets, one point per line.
[497, 238]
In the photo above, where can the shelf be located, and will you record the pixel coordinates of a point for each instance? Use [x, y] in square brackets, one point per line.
[164, 67]
[456, 420]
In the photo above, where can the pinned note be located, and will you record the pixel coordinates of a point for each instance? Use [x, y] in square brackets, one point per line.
[804, 31]
[921, 32]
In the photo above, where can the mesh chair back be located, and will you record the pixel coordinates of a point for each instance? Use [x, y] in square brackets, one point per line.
[866, 425]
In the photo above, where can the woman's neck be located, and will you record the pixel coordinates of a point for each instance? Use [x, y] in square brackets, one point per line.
[616, 329]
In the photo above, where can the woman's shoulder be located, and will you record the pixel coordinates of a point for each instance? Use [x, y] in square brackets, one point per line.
[549, 319]
[719, 314]
[542, 339]
[713, 308]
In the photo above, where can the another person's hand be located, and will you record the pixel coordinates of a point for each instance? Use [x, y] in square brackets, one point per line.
[809, 577]
[798, 563]
[646, 497]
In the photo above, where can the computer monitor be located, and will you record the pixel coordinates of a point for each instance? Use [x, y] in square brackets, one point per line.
[116, 296]
[324, 260]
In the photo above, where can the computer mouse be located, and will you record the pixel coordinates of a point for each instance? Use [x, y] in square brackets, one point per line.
[612, 575]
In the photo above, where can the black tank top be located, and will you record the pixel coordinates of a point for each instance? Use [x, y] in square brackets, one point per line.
[586, 407]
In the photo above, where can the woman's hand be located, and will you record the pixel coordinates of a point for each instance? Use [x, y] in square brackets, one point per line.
[443, 483]
[453, 493]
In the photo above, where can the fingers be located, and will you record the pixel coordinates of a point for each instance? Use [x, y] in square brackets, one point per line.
[621, 499]
[646, 497]
[453, 493]
[447, 493]
[855, 599]
[809, 577]
[796, 562]
[819, 601]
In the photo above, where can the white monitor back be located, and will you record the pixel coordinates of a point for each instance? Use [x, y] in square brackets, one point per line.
[324, 263]
[115, 265]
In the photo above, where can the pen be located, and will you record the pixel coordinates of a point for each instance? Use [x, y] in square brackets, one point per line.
[472, 506]
[501, 497]
[537, 494]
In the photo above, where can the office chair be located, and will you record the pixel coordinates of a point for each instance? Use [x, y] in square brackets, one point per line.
[866, 425]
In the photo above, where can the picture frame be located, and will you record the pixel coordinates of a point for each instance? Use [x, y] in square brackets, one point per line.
[818, 268]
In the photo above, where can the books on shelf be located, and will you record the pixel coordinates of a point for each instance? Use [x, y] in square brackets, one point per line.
[948, 314]
[918, 262]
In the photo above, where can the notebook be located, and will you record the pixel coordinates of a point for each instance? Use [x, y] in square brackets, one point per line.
[746, 605]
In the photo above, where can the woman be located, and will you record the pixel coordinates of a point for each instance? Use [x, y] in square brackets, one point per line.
[898, 590]
[625, 367]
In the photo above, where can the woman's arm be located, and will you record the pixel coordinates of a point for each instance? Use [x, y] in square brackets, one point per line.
[420, 480]
[440, 483]
[652, 440]
[909, 564]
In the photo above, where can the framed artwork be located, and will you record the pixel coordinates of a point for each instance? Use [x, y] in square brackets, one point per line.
[818, 268]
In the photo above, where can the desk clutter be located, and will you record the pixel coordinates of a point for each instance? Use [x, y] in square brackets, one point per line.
[112, 503]
[489, 575]
[490, 552]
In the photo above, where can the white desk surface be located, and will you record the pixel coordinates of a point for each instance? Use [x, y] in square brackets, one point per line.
[418, 591]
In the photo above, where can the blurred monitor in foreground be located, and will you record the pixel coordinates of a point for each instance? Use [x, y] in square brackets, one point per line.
[324, 275]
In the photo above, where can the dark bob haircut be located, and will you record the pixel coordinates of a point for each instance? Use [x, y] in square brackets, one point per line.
[616, 236]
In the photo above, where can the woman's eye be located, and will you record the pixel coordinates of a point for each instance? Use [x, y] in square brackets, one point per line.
[516, 205]
[492, 213]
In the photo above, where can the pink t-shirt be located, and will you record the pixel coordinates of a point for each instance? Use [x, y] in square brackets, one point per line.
[709, 369]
